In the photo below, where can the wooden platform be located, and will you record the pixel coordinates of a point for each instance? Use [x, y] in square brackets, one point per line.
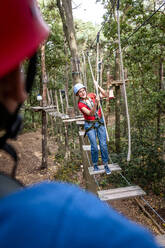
[160, 240]
[120, 193]
[113, 168]
[88, 147]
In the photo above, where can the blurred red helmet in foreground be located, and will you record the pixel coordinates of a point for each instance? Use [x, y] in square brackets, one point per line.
[22, 29]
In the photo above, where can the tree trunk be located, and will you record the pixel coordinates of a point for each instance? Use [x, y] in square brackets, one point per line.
[65, 9]
[158, 104]
[107, 109]
[66, 80]
[84, 71]
[62, 105]
[56, 99]
[117, 105]
[44, 117]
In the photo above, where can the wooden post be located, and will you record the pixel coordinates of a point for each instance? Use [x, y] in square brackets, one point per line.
[89, 180]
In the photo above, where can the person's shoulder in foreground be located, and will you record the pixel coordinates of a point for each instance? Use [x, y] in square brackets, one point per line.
[62, 215]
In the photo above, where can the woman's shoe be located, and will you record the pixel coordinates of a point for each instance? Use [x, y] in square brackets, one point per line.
[107, 170]
[96, 168]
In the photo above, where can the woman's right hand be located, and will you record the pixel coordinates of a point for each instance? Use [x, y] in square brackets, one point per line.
[97, 100]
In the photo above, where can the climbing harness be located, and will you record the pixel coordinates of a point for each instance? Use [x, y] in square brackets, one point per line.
[90, 107]
[93, 122]
[97, 95]
[93, 125]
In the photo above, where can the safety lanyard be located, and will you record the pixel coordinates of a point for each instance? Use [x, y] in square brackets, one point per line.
[92, 104]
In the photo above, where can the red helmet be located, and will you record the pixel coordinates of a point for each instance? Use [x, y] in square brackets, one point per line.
[22, 29]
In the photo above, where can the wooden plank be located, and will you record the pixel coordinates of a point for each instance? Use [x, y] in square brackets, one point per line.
[122, 189]
[80, 122]
[120, 193]
[113, 168]
[64, 116]
[160, 240]
[51, 113]
[73, 119]
[44, 108]
[81, 133]
[58, 114]
[114, 83]
[50, 110]
[88, 147]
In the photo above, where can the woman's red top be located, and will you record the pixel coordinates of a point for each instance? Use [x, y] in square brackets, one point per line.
[81, 104]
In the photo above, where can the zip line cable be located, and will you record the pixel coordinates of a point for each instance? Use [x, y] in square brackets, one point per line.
[140, 26]
[102, 26]
[145, 22]
[124, 88]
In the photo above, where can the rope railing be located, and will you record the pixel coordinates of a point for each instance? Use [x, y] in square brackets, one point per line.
[97, 95]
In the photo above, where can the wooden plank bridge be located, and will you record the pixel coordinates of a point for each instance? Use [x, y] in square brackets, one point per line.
[109, 194]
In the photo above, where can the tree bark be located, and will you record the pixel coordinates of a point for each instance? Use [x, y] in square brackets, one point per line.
[44, 103]
[66, 80]
[65, 9]
[117, 105]
[158, 104]
[107, 110]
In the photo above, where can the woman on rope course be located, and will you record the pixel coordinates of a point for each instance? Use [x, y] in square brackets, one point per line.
[94, 124]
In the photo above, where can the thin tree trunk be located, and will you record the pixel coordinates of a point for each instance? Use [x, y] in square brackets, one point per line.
[56, 99]
[66, 80]
[44, 117]
[117, 105]
[107, 109]
[62, 106]
[158, 104]
[65, 9]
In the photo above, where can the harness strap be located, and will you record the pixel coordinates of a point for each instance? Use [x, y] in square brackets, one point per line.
[12, 123]
[93, 126]
[92, 104]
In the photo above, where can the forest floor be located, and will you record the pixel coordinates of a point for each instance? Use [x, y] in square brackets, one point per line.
[28, 146]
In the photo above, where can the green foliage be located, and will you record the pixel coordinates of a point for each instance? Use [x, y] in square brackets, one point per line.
[146, 167]
[143, 54]
[69, 168]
